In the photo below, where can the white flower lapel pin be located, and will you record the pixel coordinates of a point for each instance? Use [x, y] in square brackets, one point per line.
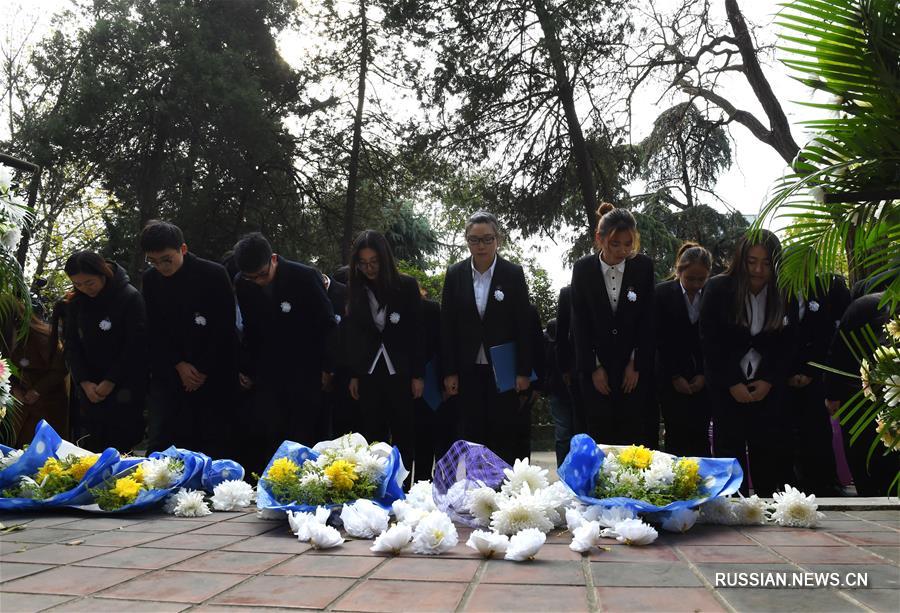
[631, 295]
[337, 318]
[787, 321]
[24, 362]
[499, 295]
[813, 306]
[395, 317]
[285, 307]
[105, 324]
[199, 319]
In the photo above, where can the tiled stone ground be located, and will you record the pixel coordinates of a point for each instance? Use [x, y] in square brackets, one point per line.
[234, 561]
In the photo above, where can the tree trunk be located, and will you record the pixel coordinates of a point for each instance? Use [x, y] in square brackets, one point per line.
[148, 207]
[353, 171]
[584, 167]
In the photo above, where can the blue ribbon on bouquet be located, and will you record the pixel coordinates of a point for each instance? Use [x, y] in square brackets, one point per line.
[722, 477]
[388, 491]
[44, 445]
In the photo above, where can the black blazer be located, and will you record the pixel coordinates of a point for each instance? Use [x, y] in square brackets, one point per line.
[285, 325]
[601, 335]
[106, 336]
[334, 344]
[812, 335]
[677, 339]
[564, 342]
[431, 311]
[506, 317]
[861, 312]
[191, 318]
[724, 342]
[403, 335]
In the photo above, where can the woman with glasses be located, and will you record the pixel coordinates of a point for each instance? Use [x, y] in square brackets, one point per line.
[485, 305]
[105, 335]
[385, 343]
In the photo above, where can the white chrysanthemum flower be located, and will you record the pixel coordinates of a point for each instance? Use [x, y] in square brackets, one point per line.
[323, 537]
[435, 534]
[393, 540]
[680, 520]
[488, 543]
[750, 511]
[231, 495]
[11, 458]
[372, 466]
[517, 513]
[794, 508]
[720, 511]
[524, 545]
[313, 477]
[556, 498]
[585, 537]
[892, 390]
[421, 496]
[186, 503]
[482, 502]
[456, 497]
[300, 522]
[607, 517]
[523, 473]
[632, 532]
[611, 464]
[893, 328]
[159, 474]
[407, 514]
[574, 519]
[364, 519]
[270, 514]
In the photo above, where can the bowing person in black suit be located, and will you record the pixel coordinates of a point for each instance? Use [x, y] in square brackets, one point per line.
[612, 302]
[385, 343]
[746, 353]
[287, 318]
[193, 345]
[485, 304]
[681, 384]
[336, 379]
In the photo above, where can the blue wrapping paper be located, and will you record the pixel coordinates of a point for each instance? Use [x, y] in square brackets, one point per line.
[389, 490]
[44, 445]
[582, 464]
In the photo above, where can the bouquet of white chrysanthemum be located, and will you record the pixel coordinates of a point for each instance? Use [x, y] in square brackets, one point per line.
[331, 473]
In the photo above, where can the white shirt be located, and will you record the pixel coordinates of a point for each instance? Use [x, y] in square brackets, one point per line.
[756, 315]
[693, 308]
[379, 316]
[481, 283]
[613, 277]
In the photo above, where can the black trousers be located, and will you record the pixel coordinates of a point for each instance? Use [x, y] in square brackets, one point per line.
[488, 416]
[425, 424]
[873, 475]
[342, 409]
[758, 428]
[687, 422]
[814, 463]
[616, 419]
[116, 422]
[388, 414]
[198, 420]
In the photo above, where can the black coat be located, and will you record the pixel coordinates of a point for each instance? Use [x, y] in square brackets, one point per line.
[724, 342]
[677, 339]
[607, 337]
[403, 340]
[106, 336]
[334, 353]
[506, 320]
[564, 343]
[861, 312]
[812, 334]
[191, 318]
[286, 325]
[431, 310]
[539, 349]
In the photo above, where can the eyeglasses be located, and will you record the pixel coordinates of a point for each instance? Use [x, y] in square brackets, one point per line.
[256, 276]
[164, 261]
[371, 265]
[484, 240]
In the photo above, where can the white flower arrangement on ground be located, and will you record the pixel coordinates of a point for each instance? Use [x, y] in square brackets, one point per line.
[789, 508]
[525, 544]
[488, 543]
[231, 495]
[394, 540]
[794, 508]
[186, 503]
[300, 523]
[632, 532]
[364, 519]
[324, 537]
[434, 534]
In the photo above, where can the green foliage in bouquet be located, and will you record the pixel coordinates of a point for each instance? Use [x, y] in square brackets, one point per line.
[640, 473]
[54, 477]
[335, 477]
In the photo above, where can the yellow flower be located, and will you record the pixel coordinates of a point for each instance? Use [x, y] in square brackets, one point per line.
[50, 467]
[342, 474]
[138, 474]
[283, 470]
[687, 474]
[637, 456]
[127, 489]
[83, 465]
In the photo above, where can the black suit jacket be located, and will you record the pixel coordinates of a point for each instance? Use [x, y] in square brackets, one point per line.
[677, 339]
[403, 335]
[506, 320]
[191, 318]
[724, 342]
[861, 312]
[564, 345]
[607, 337]
[431, 310]
[812, 335]
[285, 325]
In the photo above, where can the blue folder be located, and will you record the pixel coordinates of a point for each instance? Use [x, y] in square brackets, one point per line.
[432, 394]
[503, 358]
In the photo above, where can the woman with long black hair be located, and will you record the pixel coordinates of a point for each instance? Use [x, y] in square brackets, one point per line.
[105, 335]
[385, 343]
[745, 350]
